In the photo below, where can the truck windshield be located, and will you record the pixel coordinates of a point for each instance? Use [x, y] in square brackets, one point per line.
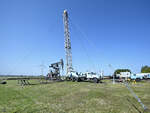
[93, 73]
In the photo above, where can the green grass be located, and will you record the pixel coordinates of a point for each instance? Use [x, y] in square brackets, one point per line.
[72, 97]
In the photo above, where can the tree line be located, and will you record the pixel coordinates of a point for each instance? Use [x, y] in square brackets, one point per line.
[144, 69]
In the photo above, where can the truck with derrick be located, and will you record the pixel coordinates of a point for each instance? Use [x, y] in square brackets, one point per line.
[70, 73]
[88, 76]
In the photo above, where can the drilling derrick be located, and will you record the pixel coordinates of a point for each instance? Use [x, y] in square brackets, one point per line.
[67, 44]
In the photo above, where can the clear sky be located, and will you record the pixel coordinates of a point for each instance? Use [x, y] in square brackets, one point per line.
[103, 32]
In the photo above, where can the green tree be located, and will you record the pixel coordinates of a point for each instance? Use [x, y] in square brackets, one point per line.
[145, 69]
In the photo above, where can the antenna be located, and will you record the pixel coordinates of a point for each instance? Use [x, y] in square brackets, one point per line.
[67, 43]
[113, 74]
[42, 66]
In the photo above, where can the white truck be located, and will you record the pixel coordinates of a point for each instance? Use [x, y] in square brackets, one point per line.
[73, 76]
[91, 76]
[88, 76]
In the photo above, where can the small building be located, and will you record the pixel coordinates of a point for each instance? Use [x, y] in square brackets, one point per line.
[124, 75]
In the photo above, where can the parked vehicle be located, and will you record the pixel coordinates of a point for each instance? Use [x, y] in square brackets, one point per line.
[136, 76]
[88, 76]
[147, 76]
[73, 75]
[93, 76]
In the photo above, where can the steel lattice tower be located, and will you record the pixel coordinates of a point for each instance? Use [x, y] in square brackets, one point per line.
[67, 43]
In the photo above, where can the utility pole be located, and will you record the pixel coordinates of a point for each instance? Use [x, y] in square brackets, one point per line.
[42, 70]
[67, 43]
[113, 74]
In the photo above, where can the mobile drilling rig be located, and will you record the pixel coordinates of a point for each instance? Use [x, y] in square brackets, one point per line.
[70, 73]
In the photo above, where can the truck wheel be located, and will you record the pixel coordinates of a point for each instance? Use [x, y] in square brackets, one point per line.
[95, 80]
[67, 78]
[3, 82]
[78, 79]
[73, 79]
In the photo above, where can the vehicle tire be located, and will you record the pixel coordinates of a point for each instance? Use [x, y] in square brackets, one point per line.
[3, 82]
[67, 78]
[78, 79]
[95, 80]
[73, 79]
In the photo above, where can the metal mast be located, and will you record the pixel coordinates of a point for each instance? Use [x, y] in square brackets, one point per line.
[67, 43]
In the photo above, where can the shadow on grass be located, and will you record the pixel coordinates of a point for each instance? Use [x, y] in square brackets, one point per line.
[90, 81]
[40, 83]
[134, 105]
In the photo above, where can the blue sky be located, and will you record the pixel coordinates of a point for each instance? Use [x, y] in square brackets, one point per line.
[103, 32]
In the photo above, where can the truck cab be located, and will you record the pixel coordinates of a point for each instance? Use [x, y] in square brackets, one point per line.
[72, 75]
[93, 76]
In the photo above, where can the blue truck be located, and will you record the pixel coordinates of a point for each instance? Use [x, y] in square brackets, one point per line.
[136, 76]
[147, 76]
[140, 76]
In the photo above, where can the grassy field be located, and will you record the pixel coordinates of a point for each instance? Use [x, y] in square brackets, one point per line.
[72, 97]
